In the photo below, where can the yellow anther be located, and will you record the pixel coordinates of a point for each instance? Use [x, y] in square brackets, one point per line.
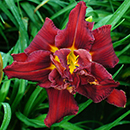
[94, 82]
[70, 89]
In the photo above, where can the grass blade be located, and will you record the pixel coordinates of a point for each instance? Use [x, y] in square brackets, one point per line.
[69, 126]
[114, 123]
[7, 116]
[31, 100]
[118, 71]
[19, 94]
[6, 11]
[123, 50]
[16, 14]
[63, 10]
[30, 122]
[4, 89]
[119, 13]
[121, 42]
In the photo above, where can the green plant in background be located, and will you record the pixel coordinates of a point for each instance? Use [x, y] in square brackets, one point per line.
[23, 104]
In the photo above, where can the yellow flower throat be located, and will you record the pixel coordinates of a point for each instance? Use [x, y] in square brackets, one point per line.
[72, 61]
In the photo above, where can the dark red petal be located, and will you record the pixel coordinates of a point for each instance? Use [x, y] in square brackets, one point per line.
[102, 50]
[86, 78]
[61, 103]
[84, 59]
[21, 57]
[99, 72]
[62, 55]
[63, 71]
[34, 68]
[90, 25]
[44, 38]
[117, 98]
[45, 82]
[101, 88]
[76, 80]
[97, 92]
[58, 65]
[77, 31]
[56, 79]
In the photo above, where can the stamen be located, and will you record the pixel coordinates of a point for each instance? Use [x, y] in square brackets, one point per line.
[70, 89]
[94, 82]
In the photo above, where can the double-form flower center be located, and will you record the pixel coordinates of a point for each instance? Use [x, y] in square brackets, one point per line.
[71, 59]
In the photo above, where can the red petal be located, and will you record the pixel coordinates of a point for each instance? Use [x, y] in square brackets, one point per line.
[58, 65]
[102, 50]
[85, 78]
[76, 80]
[97, 92]
[56, 79]
[64, 72]
[117, 98]
[90, 25]
[84, 59]
[102, 87]
[62, 55]
[34, 68]
[44, 38]
[21, 57]
[77, 31]
[99, 72]
[61, 103]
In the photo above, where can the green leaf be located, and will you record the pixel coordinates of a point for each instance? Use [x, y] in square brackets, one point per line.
[123, 50]
[29, 9]
[119, 13]
[19, 95]
[113, 19]
[14, 10]
[31, 100]
[124, 59]
[30, 122]
[126, 72]
[7, 12]
[124, 83]
[7, 116]
[114, 123]
[69, 126]
[102, 21]
[15, 90]
[120, 42]
[22, 40]
[3, 35]
[4, 89]
[41, 4]
[68, 8]
[117, 72]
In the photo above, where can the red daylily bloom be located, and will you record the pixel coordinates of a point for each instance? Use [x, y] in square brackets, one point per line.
[69, 61]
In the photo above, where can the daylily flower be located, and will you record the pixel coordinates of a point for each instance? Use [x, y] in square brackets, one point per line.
[68, 61]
